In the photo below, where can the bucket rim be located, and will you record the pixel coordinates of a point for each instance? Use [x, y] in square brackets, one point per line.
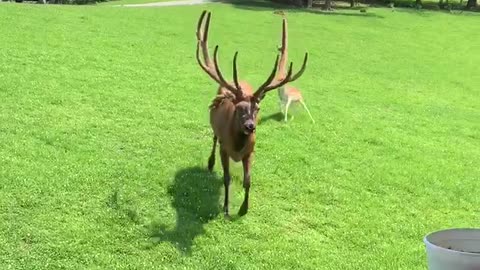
[432, 245]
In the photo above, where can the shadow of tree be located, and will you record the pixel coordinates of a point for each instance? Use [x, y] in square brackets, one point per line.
[195, 196]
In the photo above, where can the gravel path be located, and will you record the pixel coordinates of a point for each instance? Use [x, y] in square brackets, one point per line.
[173, 3]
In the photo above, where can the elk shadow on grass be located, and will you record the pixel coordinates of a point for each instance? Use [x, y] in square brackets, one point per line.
[274, 116]
[195, 196]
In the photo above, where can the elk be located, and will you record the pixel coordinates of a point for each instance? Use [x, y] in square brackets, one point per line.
[287, 93]
[233, 111]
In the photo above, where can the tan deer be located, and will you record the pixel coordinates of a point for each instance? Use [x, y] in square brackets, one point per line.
[287, 93]
[233, 112]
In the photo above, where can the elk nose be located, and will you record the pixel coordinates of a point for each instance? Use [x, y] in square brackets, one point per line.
[250, 126]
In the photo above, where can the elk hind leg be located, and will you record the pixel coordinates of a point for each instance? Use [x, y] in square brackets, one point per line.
[211, 159]
[305, 106]
[281, 105]
[246, 184]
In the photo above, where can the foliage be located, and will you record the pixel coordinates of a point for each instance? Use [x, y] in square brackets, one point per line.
[417, 4]
[104, 138]
[76, 2]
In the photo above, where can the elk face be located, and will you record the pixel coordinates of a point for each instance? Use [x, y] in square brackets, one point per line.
[246, 115]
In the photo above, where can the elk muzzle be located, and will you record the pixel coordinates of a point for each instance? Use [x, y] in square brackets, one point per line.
[249, 127]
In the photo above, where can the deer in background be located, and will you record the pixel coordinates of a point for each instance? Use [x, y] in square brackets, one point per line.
[233, 112]
[287, 93]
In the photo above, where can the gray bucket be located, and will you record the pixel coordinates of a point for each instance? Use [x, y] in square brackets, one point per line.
[453, 249]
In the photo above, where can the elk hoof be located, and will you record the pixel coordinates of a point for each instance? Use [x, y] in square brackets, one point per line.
[243, 209]
[211, 163]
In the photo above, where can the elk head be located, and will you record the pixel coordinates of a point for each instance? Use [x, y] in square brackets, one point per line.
[245, 100]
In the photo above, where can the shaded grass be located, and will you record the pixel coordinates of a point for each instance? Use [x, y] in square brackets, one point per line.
[125, 2]
[104, 129]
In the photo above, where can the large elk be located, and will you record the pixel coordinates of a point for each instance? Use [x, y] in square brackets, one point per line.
[233, 112]
[287, 94]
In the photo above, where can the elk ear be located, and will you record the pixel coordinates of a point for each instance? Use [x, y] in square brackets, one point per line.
[255, 101]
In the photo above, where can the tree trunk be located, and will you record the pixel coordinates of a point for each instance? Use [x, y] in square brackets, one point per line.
[328, 4]
[418, 3]
[309, 3]
[471, 4]
[352, 3]
[298, 3]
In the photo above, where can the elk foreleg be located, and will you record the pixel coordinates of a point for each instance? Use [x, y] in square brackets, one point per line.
[246, 184]
[226, 178]
[289, 101]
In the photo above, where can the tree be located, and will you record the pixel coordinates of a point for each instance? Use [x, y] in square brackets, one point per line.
[309, 3]
[328, 4]
[471, 4]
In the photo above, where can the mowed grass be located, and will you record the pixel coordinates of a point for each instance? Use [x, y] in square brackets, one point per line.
[104, 139]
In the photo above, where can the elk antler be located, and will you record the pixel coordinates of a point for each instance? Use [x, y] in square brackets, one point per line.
[282, 65]
[284, 56]
[282, 78]
[213, 70]
[269, 84]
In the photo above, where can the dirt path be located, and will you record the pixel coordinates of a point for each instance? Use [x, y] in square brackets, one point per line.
[173, 3]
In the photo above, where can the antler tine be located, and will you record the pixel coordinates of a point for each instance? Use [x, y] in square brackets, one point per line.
[204, 67]
[302, 69]
[202, 36]
[283, 51]
[284, 56]
[287, 78]
[267, 85]
[199, 25]
[212, 70]
[235, 72]
[205, 39]
[261, 89]
[282, 82]
[223, 82]
[271, 77]
[202, 42]
[281, 78]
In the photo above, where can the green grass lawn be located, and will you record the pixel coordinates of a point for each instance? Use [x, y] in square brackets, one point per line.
[104, 139]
